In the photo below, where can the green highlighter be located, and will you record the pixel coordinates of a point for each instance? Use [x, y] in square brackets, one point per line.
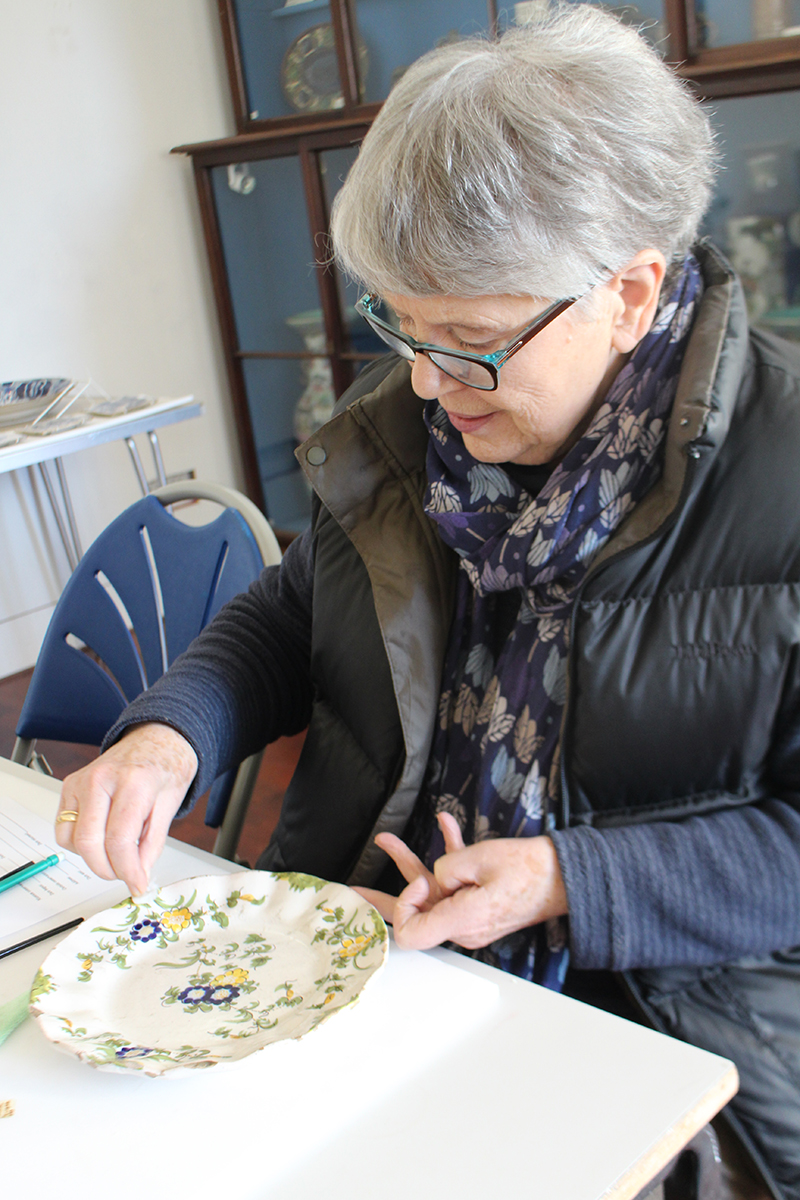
[25, 872]
[13, 1014]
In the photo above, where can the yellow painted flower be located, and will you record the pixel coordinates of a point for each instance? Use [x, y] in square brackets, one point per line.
[231, 978]
[87, 964]
[352, 946]
[177, 919]
[247, 896]
[329, 997]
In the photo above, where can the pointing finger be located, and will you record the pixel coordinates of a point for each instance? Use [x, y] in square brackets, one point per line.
[406, 861]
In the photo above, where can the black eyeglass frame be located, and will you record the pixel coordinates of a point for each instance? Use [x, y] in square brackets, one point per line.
[490, 362]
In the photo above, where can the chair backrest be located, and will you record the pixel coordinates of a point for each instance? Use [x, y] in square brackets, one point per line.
[138, 597]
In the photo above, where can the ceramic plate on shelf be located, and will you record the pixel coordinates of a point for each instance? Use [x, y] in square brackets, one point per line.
[310, 70]
[207, 971]
[22, 399]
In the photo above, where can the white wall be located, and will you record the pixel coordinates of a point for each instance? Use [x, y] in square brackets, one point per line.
[102, 265]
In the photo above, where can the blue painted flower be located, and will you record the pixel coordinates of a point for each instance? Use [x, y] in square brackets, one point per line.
[146, 930]
[221, 994]
[134, 1051]
[195, 994]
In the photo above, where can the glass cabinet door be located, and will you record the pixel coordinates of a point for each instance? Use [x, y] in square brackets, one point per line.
[267, 247]
[288, 56]
[360, 343]
[393, 33]
[645, 15]
[272, 282]
[725, 23]
[755, 215]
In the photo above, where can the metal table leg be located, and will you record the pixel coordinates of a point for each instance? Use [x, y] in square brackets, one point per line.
[73, 555]
[138, 466]
[68, 509]
[157, 459]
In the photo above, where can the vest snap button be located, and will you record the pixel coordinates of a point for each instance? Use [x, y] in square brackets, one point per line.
[316, 456]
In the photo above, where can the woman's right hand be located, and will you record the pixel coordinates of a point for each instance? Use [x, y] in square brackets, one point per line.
[125, 801]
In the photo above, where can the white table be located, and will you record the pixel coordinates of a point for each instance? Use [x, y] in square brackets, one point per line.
[38, 451]
[449, 1079]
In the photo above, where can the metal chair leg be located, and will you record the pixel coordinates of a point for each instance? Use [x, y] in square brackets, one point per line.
[26, 754]
[231, 828]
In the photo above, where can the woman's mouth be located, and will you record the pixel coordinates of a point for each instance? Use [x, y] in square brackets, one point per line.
[465, 424]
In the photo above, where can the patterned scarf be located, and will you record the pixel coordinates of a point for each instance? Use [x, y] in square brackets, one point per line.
[494, 760]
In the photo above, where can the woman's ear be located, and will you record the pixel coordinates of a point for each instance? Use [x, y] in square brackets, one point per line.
[638, 287]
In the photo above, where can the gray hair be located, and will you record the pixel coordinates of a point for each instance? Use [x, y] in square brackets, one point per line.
[538, 164]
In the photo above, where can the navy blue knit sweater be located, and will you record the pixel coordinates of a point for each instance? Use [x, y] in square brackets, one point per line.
[704, 890]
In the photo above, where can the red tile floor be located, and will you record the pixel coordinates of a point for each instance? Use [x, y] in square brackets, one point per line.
[277, 768]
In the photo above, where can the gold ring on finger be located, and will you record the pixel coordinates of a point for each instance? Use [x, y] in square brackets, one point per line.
[67, 814]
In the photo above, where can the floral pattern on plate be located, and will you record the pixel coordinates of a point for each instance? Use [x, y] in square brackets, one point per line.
[207, 971]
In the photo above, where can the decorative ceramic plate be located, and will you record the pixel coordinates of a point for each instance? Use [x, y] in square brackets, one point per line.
[22, 399]
[207, 971]
[50, 425]
[310, 70]
[120, 405]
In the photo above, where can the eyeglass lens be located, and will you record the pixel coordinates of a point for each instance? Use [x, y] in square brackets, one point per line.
[473, 374]
[470, 373]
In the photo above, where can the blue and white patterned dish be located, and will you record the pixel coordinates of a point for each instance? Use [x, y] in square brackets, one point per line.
[207, 971]
[21, 391]
[23, 399]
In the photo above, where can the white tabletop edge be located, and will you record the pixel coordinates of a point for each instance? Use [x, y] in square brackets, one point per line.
[97, 431]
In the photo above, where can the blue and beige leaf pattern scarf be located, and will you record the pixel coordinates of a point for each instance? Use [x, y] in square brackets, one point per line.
[494, 760]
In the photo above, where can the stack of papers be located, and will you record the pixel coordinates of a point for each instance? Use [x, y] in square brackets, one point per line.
[25, 837]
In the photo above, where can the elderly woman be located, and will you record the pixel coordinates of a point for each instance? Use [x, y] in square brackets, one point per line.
[544, 627]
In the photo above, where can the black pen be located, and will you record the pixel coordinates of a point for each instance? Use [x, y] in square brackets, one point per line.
[16, 871]
[40, 937]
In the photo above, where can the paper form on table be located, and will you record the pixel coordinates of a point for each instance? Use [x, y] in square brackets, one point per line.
[25, 836]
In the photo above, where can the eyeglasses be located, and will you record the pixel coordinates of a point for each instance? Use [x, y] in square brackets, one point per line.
[475, 370]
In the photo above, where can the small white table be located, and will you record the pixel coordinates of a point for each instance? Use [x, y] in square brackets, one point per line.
[448, 1079]
[38, 451]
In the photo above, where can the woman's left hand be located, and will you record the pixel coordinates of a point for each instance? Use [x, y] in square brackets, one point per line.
[475, 894]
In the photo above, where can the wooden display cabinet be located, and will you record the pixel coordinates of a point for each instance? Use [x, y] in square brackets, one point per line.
[308, 78]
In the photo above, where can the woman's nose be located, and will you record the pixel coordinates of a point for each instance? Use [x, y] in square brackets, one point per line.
[426, 378]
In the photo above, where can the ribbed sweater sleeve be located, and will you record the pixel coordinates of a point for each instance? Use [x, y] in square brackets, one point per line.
[245, 681]
[704, 890]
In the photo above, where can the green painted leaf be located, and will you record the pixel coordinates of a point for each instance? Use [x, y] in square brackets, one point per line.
[299, 882]
[42, 984]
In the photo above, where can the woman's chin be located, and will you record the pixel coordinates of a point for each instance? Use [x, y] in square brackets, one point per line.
[494, 449]
[484, 450]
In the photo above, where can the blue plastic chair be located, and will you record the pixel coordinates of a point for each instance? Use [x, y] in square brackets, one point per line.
[140, 594]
